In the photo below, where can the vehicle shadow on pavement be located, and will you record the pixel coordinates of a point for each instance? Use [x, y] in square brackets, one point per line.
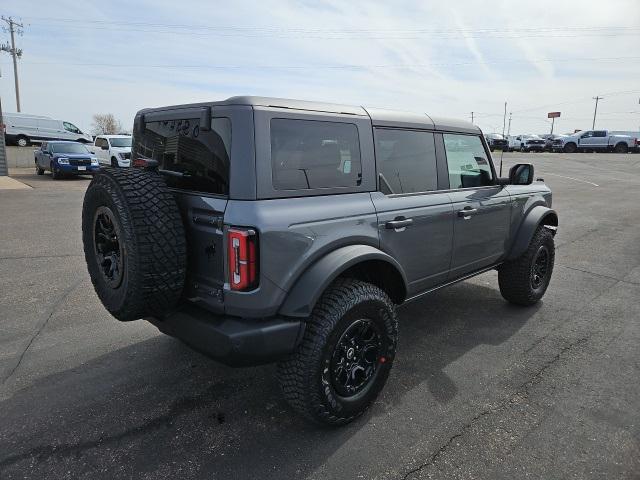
[158, 409]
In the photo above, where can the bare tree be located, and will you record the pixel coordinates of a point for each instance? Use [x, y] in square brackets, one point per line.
[105, 124]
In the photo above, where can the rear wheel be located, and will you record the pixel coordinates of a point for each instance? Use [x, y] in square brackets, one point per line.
[621, 148]
[22, 141]
[39, 171]
[134, 243]
[524, 281]
[345, 356]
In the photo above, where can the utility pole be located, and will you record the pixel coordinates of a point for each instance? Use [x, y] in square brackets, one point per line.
[509, 128]
[4, 171]
[504, 119]
[471, 117]
[14, 27]
[595, 111]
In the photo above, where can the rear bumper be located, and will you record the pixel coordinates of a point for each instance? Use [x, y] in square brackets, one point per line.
[233, 341]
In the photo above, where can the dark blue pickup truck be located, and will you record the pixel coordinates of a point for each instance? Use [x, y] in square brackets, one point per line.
[65, 158]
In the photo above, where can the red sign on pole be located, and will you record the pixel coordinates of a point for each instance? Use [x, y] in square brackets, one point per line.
[553, 114]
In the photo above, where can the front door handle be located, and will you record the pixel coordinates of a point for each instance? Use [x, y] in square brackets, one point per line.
[399, 222]
[466, 212]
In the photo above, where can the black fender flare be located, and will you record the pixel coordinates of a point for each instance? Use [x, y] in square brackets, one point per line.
[308, 288]
[538, 215]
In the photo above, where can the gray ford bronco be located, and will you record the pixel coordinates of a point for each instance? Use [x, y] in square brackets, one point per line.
[262, 229]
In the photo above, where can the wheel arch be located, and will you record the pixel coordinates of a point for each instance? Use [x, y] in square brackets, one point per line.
[538, 215]
[358, 261]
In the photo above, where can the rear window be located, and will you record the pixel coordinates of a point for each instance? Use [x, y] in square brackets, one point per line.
[309, 154]
[200, 159]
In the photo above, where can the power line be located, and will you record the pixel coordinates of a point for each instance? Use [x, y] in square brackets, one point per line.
[337, 66]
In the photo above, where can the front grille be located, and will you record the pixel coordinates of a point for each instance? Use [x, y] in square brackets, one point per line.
[79, 161]
[127, 156]
[535, 142]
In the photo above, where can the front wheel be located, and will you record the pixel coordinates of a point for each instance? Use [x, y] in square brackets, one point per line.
[524, 280]
[345, 355]
[570, 148]
[55, 173]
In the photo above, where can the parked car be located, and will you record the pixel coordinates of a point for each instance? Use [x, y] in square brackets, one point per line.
[548, 140]
[113, 150]
[526, 143]
[595, 140]
[65, 158]
[22, 129]
[264, 229]
[496, 141]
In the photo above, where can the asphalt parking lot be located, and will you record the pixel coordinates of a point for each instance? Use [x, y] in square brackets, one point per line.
[480, 388]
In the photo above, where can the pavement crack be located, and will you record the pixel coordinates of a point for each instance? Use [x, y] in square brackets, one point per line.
[42, 325]
[521, 392]
[601, 275]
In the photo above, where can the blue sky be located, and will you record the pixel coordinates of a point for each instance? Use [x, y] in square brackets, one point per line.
[443, 58]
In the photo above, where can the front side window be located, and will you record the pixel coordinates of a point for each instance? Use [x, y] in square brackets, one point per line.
[199, 159]
[467, 161]
[407, 160]
[71, 127]
[308, 154]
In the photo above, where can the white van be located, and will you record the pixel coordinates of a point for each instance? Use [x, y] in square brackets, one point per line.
[22, 129]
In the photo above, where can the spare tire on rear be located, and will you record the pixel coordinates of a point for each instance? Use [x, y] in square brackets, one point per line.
[134, 243]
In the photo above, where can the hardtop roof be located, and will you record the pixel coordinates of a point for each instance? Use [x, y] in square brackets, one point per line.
[379, 116]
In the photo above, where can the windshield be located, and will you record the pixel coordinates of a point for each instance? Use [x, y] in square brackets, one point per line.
[495, 136]
[120, 142]
[68, 148]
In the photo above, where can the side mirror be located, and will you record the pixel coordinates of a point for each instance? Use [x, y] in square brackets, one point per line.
[521, 174]
[92, 152]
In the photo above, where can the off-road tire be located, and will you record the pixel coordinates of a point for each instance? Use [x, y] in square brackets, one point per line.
[304, 375]
[515, 276]
[152, 239]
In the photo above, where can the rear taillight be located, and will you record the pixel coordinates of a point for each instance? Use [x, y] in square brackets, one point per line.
[242, 248]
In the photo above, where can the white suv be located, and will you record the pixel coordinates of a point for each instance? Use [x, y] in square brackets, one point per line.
[113, 150]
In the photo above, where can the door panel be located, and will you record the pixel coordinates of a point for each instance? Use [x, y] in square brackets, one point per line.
[481, 228]
[424, 247]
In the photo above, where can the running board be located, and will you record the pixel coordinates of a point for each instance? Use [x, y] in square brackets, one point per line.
[466, 277]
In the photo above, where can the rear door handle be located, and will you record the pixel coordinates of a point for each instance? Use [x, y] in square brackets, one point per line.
[398, 223]
[466, 212]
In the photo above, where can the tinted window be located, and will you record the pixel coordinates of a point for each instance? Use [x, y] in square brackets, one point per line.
[201, 158]
[407, 160]
[312, 154]
[467, 161]
[600, 133]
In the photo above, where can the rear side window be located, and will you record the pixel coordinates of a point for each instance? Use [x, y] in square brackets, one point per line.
[200, 159]
[467, 161]
[407, 160]
[309, 154]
